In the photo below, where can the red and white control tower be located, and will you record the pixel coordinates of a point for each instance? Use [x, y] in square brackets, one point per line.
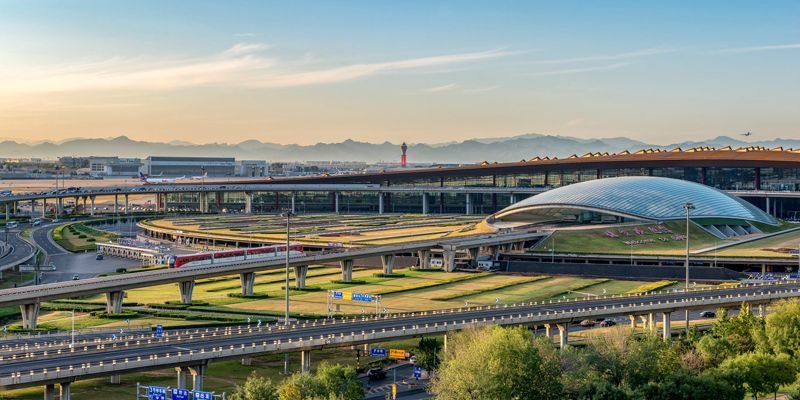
[403, 157]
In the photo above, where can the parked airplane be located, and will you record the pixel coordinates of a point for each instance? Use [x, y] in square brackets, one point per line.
[145, 179]
[201, 177]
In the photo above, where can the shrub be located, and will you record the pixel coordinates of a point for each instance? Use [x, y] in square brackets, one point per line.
[392, 275]
[353, 282]
[122, 270]
[81, 236]
[90, 239]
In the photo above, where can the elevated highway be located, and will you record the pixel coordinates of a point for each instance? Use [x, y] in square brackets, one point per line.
[29, 298]
[189, 351]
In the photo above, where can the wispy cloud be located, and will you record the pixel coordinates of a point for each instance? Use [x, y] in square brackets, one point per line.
[243, 65]
[607, 57]
[245, 34]
[580, 70]
[443, 88]
[753, 49]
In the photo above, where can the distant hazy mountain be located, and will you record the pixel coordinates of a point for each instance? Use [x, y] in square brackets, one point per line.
[513, 148]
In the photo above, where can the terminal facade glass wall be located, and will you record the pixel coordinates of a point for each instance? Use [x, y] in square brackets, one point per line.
[780, 179]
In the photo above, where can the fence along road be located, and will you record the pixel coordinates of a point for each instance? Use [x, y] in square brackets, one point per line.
[48, 363]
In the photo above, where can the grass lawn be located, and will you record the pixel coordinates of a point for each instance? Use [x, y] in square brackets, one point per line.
[763, 247]
[597, 242]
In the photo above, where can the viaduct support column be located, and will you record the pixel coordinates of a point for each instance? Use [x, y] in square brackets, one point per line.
[8, 212]
[204, 202]
[666, 328]
[114, 302]
[651, 318]
[425, 204]
[513, 198]
[248, 280]
[305, 361]
[44, 207]
[336, 202]
[633, 321]
[49, 392]
[449, 258]
[424, 257]
[116, 203]
[548, 332]
[473, 253]
[91, 210]
[33, 207]
[197, 372]
[65, 391]
[84, 204]
[59, 207]
[292, 201]
[563, 336]
[387, 260]
[127, 208]
[181, 384]
[380, 203]
[468, 211]
[347, 270]
[248, 202]
[186, 288]
[300, 272]
[30, 312]
[116, 379]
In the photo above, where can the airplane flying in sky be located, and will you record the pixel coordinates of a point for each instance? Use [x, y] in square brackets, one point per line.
[145, 179]
[747, 134]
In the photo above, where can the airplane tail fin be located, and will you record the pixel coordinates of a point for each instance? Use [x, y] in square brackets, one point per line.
[142, 177]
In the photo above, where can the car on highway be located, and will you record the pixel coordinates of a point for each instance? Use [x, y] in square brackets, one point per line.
[607, 322]
[376, 374]
[98, 257]
[587, 323]
[708, 314]
[75, 277]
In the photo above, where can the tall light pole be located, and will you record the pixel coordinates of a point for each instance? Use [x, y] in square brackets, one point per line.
[288, 215]
[688, 206]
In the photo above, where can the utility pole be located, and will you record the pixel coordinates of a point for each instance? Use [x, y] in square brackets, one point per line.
[688, 207]
[288, 215]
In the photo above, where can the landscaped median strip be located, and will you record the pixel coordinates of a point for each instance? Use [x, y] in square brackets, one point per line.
[456, 296]
[651, 287]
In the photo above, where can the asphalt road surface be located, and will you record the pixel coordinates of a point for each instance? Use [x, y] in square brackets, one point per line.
[407, 386]
[21, 248]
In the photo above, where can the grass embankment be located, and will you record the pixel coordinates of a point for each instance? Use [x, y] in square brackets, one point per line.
[600, 241]
[776, 246]
[651, 287]
[78, 237]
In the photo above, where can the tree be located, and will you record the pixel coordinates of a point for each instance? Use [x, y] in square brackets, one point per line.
[739, 330]
[494, 363]
[340, 380]
[686, 386]
[255, 388]
[760, 373]
[783, 328]
[714, 350]
[302, 386]
[428, 353]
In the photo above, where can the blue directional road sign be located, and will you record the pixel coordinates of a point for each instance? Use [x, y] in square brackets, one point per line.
[202, 395]
[159, 331]
[156, 393]
[366, 298]
[180, 394]
[337, 294]
[377, 352]
[417, 372]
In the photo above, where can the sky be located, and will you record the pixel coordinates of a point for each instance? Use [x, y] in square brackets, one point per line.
[416, 71]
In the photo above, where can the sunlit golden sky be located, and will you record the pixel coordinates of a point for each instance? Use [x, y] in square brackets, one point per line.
[417, 71]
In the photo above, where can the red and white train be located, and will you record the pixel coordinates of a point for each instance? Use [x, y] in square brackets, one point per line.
[231, 256]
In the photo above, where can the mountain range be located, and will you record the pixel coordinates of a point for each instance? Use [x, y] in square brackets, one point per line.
[513, 148]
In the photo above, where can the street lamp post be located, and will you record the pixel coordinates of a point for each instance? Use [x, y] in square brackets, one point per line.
[688, 206]
[288, 215]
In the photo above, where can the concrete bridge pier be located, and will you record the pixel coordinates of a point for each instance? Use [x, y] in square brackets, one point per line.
[33, 207]
[473, 253]
[116, 204]
[300, 272]
[30, 312]
[292, 201]
[49, 392]
[633, 321]
[380, 203]
[387, 260]
[83, 200]
[197, 371]
[347, 270]
[59, 206]
[666, 328]
[65, 391]
[651, 318]
[127, 208]
[114, 302]
[44, 207]
[248, 280]
[563, 335]
[548, 332]
[186, 288]
[449, 258]
[424, 257]
[248, 202]
[305, 361]
[425, 204]
[181, 372]
[116, 379]
[75, 202]
[335, 202]
[91, 210]
[8, 211]
[204, 202]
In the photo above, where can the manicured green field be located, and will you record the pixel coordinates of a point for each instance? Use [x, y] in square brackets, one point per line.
[764, 248]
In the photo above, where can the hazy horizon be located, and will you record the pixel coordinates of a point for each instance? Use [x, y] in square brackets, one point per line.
[417, 71]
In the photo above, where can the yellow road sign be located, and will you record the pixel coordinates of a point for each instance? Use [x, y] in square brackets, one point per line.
[397, 354]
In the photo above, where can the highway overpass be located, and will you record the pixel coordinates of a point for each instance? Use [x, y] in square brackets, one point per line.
[30, 297]
[55, 362]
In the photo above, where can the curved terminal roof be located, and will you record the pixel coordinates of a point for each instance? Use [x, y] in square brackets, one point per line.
[638, 197]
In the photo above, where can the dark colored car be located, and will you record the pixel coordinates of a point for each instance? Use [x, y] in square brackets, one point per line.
[607, 322]
[376, 374]
[98, 257]
[708, 314]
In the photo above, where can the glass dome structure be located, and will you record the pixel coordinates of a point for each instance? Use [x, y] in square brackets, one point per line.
[634, 197]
